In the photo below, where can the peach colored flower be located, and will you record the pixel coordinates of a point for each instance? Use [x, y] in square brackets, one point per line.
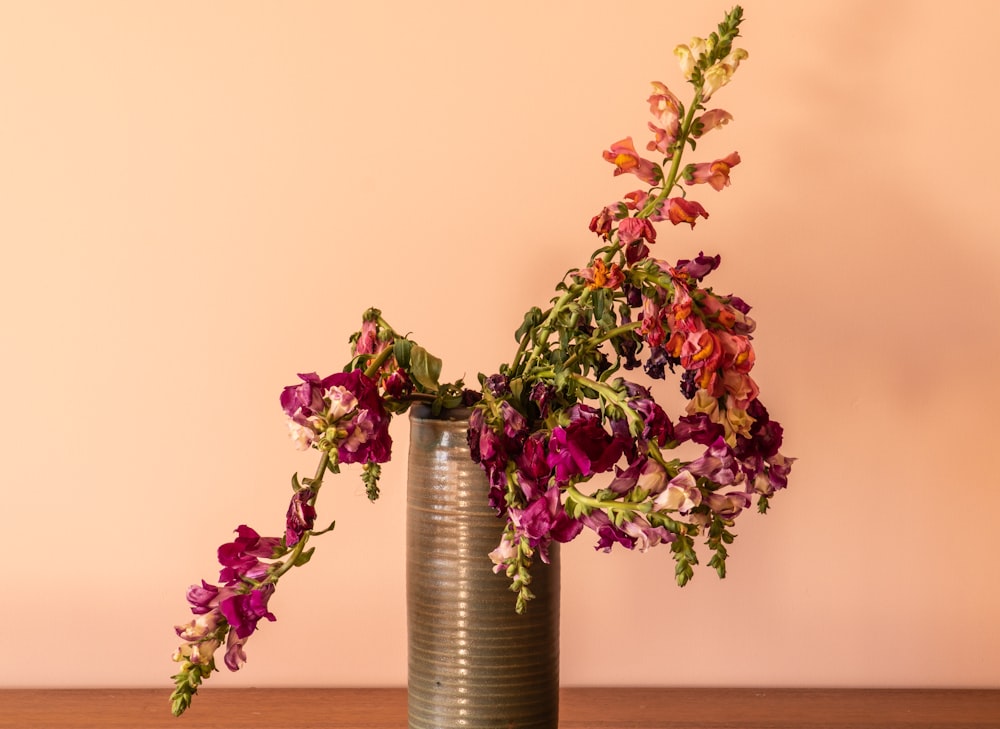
[714, 173]
[667, 109]
[599, 276]
[625, 159]
[710, 120]
[682, 210]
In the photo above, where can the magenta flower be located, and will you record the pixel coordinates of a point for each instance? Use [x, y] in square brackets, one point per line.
[543, 520]
[368, 439]
[625, 159]
[243, 611]
[239, 558]
[398, 384]
[583, 447]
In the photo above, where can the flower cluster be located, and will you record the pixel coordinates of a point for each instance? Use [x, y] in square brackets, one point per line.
[562, 412]
[344, 417]
[566, 409]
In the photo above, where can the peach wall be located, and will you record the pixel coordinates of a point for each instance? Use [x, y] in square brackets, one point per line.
[199, 199]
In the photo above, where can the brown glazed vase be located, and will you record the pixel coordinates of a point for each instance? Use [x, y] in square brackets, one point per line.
[473, 662]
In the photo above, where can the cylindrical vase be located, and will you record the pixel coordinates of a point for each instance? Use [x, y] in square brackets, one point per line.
[473, 662]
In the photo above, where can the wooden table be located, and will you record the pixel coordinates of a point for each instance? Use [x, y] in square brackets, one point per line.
[648, 708]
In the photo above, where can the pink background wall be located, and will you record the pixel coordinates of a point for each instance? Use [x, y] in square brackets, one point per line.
[199, 199]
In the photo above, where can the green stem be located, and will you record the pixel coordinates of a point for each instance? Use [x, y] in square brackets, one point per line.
[643, 507]
[314, 485]
[546, 329]
[671, 179]
[610, 334]
[376, 364]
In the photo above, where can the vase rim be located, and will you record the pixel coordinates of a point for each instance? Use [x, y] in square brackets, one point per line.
[422, 411]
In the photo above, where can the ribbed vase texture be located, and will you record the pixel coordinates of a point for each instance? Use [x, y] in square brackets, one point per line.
[473, 662]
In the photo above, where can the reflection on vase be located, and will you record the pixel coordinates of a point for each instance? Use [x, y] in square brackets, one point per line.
[473, 661]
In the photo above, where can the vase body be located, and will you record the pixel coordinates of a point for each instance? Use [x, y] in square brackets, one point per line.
[473, 662]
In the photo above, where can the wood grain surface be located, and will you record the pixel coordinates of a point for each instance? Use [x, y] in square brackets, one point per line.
[580, 708]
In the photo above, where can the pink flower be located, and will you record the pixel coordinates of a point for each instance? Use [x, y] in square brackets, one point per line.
[682, 210]
[602, 222]
[710, 120]
[367, 337]
[625, 159]
[599, 276]
[667, 109]
[635, 200]
[633, 229]
[700, 350]
[714, 173]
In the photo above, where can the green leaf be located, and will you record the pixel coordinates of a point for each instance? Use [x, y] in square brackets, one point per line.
[425, 368]
[532, 319]
[304, 557]
[401, 351]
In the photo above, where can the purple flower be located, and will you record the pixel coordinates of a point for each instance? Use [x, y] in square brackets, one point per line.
[235, 655]
[542, 395]
[239, 558]
[303, 401]
[658, 427]
[698, 428]
[700, 267]
[544, 520]
[203, 599]
[498, 385]
[245, 610]
[300, 517]
[533, 470]
[488, 449]
[717, 463]
[645, 534]
[608, 534]
[515, 426]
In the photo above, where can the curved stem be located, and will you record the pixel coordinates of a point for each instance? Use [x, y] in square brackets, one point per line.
[376, 364]
[643, 507]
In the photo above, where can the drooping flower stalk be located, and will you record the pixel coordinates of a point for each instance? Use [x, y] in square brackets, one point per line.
[562, 414]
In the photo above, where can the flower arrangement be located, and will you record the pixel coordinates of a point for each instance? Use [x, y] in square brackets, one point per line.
[562, 411]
